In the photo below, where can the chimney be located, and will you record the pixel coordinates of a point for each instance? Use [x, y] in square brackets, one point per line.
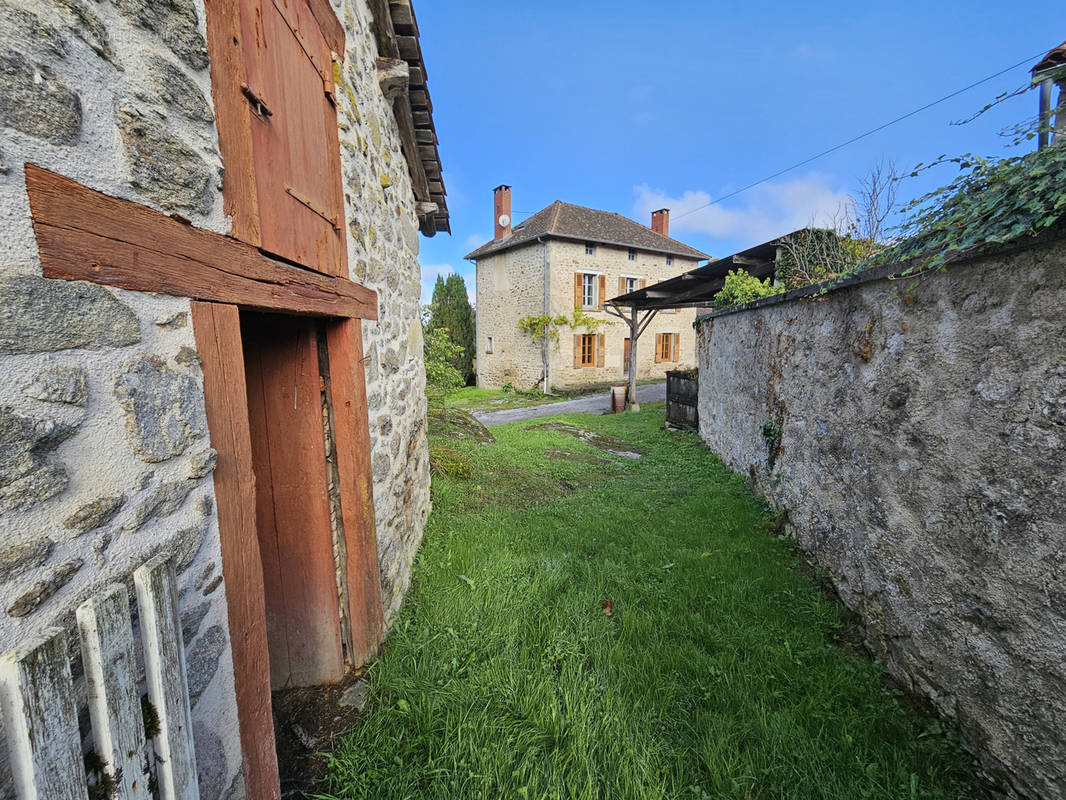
[1051, 71]
[660, 221]
[501, 196]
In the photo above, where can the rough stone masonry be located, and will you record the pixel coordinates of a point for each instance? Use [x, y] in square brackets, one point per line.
[915, 435]
[105, 459]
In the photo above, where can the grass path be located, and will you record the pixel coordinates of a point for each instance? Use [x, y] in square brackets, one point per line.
[717, 674]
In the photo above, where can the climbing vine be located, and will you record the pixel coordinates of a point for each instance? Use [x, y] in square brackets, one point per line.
[992, 201]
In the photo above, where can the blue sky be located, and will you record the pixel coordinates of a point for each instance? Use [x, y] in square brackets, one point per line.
[630, 106]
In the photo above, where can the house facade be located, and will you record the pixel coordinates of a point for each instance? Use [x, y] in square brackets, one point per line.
[210, 256]
[566, 258]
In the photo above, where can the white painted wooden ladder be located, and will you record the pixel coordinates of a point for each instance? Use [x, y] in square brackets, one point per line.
[41, 716]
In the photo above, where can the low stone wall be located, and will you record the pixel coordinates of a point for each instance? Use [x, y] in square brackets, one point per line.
[915, 434]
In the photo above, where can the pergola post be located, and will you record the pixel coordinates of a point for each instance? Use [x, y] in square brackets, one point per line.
[634, 334]
[637, 326]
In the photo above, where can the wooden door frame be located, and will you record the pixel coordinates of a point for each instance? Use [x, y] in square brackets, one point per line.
[217, 330]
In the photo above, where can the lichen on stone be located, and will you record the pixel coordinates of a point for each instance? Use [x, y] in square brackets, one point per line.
[164, 408]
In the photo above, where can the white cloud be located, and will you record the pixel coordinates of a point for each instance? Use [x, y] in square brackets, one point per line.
[429, 278]
[756, 216]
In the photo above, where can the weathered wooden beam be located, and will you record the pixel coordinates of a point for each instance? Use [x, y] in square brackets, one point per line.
[418, 76]
[432, 169]
[403, 14]
[425, 137]
[382, 29]
[410, 50]
[402, 109]
[352, 434]
[393, 76]
[420, 100]
[745, 261]
[422, 119]
[85, 235]
[217, 330]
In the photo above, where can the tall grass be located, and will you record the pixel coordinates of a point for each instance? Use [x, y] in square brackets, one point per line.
[717, 674]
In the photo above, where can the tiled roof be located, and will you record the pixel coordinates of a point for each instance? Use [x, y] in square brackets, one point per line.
[1056, 58]
[564, 221]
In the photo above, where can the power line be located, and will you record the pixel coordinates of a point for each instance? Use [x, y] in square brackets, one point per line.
[862, 135]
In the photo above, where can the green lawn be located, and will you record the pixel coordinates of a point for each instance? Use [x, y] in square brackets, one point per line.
[718, 674]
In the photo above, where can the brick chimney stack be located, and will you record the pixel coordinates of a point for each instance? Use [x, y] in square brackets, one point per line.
[660, 221]
[502, 211]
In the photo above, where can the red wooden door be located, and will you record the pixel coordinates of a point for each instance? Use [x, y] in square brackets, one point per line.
[295, 145]
[292, 499]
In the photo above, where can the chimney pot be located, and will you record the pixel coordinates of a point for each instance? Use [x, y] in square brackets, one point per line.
[501, 196]
[660, 221]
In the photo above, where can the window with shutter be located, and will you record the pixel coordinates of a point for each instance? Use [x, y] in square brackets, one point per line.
[585, 350]
[295, 146]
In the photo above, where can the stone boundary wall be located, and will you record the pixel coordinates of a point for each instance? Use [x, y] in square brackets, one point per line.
[915, 434]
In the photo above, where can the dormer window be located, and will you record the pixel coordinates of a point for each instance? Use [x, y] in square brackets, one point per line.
[590, 249]
[632, 255]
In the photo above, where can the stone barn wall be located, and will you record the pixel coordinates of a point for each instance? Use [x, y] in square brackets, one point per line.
[104, 451]
[916, 438]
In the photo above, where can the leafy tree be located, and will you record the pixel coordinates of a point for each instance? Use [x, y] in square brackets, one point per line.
[742, 287]
[441, 375]
[450, 311]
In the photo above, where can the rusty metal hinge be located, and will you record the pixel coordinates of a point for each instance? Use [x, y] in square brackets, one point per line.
[259, 106]
[305, 201]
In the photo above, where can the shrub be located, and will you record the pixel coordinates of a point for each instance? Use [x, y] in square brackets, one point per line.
[445, 460]
[441, 375]
[741, 287]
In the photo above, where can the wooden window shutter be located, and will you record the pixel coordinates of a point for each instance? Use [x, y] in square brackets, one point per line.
[577, 349]
[658, 347]
[603, 292]
[621, 286]
[643, 283]
[294, 140]
[600, 348]
[579, 289]
[676, 347]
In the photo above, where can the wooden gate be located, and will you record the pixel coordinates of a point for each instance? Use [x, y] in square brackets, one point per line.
[41, 716]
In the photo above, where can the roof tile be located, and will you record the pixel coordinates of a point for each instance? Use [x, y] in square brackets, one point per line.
[565, 221]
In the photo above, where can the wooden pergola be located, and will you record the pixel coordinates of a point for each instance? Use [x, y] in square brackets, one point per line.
[693, 289]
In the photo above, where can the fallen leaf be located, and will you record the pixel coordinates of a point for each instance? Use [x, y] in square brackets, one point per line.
[608, 607]
[705, 555]
[467, 581]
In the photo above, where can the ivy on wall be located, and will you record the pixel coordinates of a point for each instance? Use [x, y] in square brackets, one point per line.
[992, 201]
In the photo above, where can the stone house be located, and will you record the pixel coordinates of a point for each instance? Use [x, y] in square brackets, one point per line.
[568, 257]
[211, 216]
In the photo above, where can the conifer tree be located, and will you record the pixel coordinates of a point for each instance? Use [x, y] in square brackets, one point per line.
[450, 309]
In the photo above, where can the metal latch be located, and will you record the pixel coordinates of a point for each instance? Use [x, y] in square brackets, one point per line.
[259, 106]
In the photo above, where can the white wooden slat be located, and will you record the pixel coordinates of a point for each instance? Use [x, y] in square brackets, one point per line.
[164, 663]
[37, 696]
[114, 701]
